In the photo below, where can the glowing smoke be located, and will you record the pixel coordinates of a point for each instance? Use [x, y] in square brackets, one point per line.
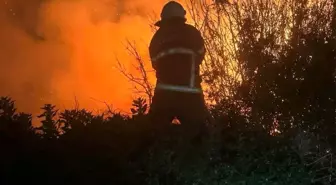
[56, 50]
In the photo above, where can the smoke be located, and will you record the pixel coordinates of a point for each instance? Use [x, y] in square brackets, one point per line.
[59, 51]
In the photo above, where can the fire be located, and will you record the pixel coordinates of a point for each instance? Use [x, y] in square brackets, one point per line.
[95, 48]
[61, 51]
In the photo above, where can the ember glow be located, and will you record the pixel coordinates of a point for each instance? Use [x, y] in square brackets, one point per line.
[60, 51]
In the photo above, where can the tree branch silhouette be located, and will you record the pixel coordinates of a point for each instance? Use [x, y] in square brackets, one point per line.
[141, 82]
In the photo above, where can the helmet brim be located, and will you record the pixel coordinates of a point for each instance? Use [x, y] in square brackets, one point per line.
[158, 23]
[179, 19]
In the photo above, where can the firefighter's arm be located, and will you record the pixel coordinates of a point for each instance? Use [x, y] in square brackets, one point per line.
[152, 52]
[201, 51]
[198, 43]
[201, 48]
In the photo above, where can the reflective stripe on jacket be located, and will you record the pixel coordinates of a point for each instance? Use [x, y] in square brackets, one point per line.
[176, 51]
[190, 88]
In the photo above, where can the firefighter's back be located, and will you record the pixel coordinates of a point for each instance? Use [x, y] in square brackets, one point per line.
[175, 68]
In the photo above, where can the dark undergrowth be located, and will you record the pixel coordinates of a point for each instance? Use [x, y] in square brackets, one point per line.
[78, 147]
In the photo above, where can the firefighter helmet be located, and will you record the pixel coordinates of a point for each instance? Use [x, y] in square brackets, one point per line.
[171, 10]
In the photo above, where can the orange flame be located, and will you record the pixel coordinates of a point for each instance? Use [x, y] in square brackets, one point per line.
[60, 51]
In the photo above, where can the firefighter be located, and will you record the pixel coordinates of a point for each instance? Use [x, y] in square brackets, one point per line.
[176, 51]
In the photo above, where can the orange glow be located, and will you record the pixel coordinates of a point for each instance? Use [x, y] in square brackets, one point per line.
[77, 59]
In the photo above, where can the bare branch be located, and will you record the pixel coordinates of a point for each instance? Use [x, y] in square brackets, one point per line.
[141, 82]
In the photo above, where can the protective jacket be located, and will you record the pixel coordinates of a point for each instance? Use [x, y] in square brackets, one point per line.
[176, 51]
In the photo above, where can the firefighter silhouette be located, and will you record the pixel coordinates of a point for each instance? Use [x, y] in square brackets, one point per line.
[176, 51]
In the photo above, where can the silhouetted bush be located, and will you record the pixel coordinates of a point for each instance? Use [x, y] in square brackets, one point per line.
[78, 147]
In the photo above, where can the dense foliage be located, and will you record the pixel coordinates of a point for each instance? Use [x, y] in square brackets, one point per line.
[77, 147]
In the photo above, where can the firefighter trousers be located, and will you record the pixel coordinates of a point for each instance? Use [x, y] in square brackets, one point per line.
[188, 108]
